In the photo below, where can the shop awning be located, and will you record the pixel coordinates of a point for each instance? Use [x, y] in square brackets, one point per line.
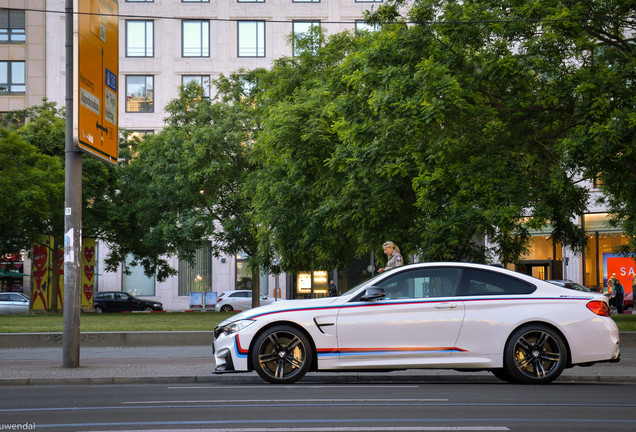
[9, 273]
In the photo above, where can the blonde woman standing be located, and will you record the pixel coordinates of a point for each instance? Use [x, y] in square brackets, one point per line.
[393, 252]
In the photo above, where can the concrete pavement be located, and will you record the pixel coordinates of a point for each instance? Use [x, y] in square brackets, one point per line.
[151, 362]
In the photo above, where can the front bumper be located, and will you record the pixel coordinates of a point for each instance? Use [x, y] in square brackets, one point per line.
[228, 354]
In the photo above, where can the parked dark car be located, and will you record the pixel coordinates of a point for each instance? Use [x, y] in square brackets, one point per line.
[117, 301]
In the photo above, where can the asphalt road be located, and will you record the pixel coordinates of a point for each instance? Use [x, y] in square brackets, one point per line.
[363, 407]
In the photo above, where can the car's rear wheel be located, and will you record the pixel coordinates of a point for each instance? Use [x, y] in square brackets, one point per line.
[98, 309]
[282, 355]
[147, 309]
[226, 308]
[535, 354]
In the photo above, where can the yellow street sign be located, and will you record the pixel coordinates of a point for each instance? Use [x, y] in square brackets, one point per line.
[96, 77]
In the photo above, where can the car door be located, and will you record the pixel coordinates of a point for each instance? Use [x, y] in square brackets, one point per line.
[242, 300]
[20, 304]
[419, 320]
[123, 302]
[6, 306]
[106, 301]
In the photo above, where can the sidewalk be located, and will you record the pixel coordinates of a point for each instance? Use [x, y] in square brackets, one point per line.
[195, 364]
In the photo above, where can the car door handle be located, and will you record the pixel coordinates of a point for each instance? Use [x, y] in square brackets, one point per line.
[446, 306]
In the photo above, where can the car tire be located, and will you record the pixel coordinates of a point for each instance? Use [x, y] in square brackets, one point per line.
[226, 308]
[147, 309]
[98, 309]
[282, 355]
[535, 354]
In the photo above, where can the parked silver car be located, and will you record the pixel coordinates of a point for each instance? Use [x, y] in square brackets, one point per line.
[238, 300]
[13, 303]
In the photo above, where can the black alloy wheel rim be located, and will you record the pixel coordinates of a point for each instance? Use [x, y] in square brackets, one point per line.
[537, 354]
[282, 355]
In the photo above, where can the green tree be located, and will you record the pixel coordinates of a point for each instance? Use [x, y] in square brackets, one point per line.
[32, 185]
[43, 127]
[462, 126]
[183, 188]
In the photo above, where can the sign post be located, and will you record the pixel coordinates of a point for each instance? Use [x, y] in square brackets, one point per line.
[92, 59]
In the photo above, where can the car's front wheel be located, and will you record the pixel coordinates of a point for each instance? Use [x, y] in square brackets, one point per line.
[282, 355]
[98, 309]
[535, 354]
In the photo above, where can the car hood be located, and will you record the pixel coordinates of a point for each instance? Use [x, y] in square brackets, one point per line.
[280, 305]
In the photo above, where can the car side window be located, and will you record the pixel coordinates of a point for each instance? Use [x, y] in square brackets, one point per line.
[105, 296]
[422, 283]
[121, 296]
[4, 297]
[482, 282]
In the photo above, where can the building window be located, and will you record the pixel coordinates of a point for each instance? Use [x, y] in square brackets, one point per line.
[362, 26]
[12, 25]
[195, 1]
[140, 93]
[136, 282]
[301, 32]
[306, 1]
[202, 80]
[196, 38]
[140, 39]
[243, 273]
[196, 276]
[251, 38]
[12, 77]
[140, 1]
[250, 1]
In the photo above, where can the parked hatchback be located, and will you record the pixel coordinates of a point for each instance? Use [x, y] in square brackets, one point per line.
[239, 300]
[12, 303]
[117, 301]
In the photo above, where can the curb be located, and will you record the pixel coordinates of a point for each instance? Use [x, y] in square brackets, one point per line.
[318, 378]
[108, 339]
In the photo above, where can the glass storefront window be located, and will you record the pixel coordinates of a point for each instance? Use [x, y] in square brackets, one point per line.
[196, 277]
[303, 284]
[136, 282]
[601, 257]
[243, 273]
[543, 248]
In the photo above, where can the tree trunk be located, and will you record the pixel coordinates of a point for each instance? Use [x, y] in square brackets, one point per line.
[256, 287]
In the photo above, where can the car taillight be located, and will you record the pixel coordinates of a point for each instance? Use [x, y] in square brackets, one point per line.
[599, 307]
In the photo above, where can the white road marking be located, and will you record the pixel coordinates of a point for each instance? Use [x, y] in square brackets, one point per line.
[221, 401]
[342, 429]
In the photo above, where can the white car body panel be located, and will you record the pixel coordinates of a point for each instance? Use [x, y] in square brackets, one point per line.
[441, 332]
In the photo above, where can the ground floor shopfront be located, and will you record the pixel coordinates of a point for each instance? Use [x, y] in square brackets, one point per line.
[601, 258]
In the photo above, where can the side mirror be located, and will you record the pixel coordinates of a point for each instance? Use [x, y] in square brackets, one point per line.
[373, 293]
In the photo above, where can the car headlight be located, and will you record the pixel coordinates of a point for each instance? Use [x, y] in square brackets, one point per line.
[231, 328]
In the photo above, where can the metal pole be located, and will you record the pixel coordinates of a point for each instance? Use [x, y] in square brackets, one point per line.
[73, 216]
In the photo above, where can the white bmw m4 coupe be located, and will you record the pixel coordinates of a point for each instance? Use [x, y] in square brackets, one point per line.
[432, 315]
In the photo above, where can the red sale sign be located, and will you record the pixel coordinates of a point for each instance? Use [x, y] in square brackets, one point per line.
[624, 269]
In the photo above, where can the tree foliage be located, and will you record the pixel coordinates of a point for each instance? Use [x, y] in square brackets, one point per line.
[182, 189]
[459, 121]
[469, 123]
